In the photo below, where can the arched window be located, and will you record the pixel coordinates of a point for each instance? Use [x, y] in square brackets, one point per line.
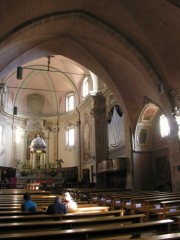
[164, 126]
[70, 138]
[85, 90]
[0, 134]
[69, 102]
[178, 123]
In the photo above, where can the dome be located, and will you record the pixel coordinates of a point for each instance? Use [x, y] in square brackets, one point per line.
[42, 92]
[38, 145]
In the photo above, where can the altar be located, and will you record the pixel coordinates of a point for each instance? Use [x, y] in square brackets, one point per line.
[38, 153]
[52, 178]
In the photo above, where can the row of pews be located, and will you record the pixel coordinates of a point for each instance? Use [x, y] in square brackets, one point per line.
[92, 220]
[152, 204]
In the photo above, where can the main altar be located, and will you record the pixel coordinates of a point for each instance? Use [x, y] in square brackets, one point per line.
[40, 173]
[51, 178]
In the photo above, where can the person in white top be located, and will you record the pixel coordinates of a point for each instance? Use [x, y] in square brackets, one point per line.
[70, 203]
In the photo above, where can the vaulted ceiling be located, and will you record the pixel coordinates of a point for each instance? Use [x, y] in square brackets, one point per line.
[132, 45]
[50, 78]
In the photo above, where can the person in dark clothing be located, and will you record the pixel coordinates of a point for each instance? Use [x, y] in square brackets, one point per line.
[57, 207]
[28, 204]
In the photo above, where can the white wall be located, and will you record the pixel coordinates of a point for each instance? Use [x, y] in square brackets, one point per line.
[6, 159]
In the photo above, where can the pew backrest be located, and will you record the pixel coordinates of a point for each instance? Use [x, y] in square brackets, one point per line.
[90, 232]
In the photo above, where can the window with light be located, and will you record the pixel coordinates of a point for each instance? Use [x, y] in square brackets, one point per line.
[69, 102]
[17, 135]
[0, 134]
[178, 123]
[70, 138]
[164, 126]
[85, 87]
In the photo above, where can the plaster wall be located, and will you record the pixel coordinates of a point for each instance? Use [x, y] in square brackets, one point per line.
[142, 171]
[6, 159]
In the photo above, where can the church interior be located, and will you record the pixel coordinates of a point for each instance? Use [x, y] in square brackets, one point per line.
[90, 95]
[96, 100]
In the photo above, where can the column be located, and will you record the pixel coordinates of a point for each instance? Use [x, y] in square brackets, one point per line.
[31, 159]
[34, 160]
[41, 161]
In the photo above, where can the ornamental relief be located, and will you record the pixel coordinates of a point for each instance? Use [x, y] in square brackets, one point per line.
[4, 120]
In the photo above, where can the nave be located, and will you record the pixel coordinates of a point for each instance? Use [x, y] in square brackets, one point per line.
[92, 85]
[100, 215]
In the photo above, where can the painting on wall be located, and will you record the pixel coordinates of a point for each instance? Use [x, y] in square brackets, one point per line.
[142, 136]
[149, 113]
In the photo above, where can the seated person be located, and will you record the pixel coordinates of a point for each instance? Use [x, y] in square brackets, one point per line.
[70, 203]
[28, 204]
[57, 207]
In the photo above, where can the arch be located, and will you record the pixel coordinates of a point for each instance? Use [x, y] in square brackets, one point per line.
[143, 133]
[83, 17]
[88, 50]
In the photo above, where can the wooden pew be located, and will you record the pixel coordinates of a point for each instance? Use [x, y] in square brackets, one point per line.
[42, 207]
[177, 218]
[155, 207]
[68, 224]
[168, 236]
[39, 202]
[169, 209]
[126, 200]
[107, 199]
[84, 193]
[149, 205]
[19, 212]
[44, 217]
[22, 191]
[133, 199]
[90, 209]
[90, 233]
[135, 202]
[103, 197]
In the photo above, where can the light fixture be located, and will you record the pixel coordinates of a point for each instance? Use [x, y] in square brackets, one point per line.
[160, 87]
[15, 110]
[20, 68]
[19, 74]
[3, 88]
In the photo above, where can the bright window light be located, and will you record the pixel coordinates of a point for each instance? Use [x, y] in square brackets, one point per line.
[70, 137]
[69, 102]
[85, 87]
[164, 126]
[0, 135]
[178, 122]
[17, 135]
